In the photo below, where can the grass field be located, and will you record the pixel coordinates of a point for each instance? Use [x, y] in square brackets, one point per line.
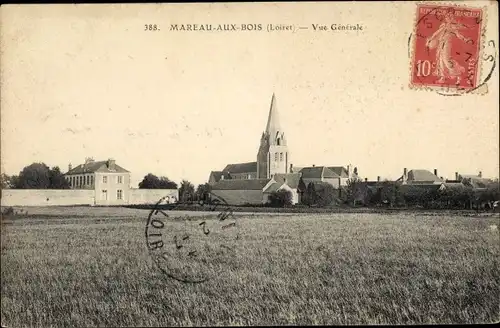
[92, 268]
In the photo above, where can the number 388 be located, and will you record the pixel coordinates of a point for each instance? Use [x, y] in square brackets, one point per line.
[150, 27]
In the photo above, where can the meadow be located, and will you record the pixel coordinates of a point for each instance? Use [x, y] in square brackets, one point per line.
[91, 267]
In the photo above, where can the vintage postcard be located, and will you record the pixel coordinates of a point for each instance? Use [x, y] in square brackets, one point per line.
[249, 164]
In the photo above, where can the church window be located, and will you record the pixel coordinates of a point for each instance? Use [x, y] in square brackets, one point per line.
[281, 157]
[276, 157]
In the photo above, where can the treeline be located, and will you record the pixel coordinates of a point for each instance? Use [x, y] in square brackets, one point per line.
[390, 194]
[35, 176]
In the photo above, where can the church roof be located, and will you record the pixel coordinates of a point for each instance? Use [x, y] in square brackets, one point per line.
[100, 166]
[235, 184]
[241, 168]
[217, 175]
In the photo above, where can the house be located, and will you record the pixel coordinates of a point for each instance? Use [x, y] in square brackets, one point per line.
[289, 182]
[419, 176]
[110, 181]
[344, 173]
[320, 174]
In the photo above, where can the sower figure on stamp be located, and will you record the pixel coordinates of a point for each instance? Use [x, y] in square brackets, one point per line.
[446, 67]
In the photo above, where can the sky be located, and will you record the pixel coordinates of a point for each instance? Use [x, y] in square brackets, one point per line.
[83, 81]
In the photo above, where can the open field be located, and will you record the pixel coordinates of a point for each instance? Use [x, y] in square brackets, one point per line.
[91, 267]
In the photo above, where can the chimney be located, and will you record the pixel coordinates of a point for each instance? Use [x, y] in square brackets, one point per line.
[291, 168]
[436, 172]
[456, 176]
[70, 167]
[111, 164]
[480, 174]
[378, 178]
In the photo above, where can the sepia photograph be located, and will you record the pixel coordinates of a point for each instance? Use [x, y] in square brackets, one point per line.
[249, 164]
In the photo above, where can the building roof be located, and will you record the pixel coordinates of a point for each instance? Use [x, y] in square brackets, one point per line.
[236, 184]
[476, 182]
[241, 168]
[296, 169]
[423, 175]
[274, 187]
[340, 171]
[314, 172]
[217, 175]
[292, 179]
[92, 167]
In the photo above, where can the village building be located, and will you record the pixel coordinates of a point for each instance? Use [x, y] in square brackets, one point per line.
[110, 182]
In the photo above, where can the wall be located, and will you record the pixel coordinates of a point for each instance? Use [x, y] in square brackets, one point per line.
[46, 197]
[240, 197]
[151, 196]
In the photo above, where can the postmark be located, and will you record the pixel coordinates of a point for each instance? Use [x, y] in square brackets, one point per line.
[192, 249]
[448, 49]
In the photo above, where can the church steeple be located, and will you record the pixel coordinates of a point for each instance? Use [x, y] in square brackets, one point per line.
[272, 157]
[273, 124]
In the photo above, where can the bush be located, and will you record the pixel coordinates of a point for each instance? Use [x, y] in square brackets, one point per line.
[280, 198]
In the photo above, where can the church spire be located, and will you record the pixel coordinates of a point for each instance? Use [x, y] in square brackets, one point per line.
[273, 123]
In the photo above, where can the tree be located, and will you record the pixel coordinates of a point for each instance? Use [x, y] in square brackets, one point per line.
[203, 192]
[8, 181]
[280, 198]
[353, 185]
[39, 176]
[324, 194]
[151, 181]
[57, 179]
[391, 193]
[186, 191]
[310, 195]
[34, 176]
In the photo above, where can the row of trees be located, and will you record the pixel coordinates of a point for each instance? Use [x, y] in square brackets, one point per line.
[35, 176]
[187, 191]
[390, 193]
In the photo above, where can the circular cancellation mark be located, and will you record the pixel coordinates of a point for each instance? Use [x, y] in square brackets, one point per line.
[192, 249]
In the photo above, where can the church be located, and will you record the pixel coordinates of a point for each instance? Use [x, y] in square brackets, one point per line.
[253, 182]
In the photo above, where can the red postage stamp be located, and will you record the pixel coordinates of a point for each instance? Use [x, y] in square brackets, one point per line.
[446, 47]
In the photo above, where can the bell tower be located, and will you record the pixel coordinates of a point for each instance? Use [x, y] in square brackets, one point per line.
[273, 155]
